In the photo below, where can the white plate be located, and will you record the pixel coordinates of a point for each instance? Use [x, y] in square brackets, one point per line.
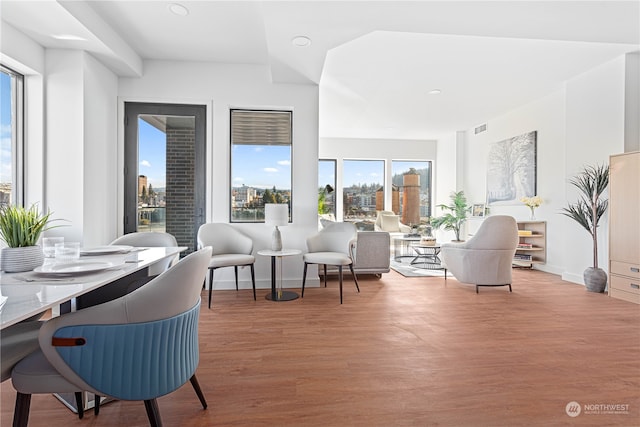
[76, 267]
[106, 250]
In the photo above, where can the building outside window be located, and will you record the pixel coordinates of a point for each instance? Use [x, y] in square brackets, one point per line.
[412, 181]
[11, 137]
[261, 144]
[362, 191]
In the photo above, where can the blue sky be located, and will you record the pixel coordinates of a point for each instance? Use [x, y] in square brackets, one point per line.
[5, 128]
[152, 148]
[261, 166]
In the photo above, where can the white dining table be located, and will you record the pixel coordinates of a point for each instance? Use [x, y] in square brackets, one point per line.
[23, 295]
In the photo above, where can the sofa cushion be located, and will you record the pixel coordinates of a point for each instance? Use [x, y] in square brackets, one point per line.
[391, 223]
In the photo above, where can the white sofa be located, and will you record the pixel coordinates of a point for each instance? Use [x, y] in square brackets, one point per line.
[371, 254]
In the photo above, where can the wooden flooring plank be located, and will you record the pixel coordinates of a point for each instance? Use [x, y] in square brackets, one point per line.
[402, 352]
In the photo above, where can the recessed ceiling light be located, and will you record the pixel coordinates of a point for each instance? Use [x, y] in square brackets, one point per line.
[68, 37]
[301, 41]
[435, 92]
[178, 9]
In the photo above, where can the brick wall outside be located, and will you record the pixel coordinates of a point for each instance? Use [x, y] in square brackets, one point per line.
[180, 184]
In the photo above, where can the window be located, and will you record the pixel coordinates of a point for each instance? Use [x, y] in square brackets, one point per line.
[412, 180]
[326, 187]
[260, 162]
[362, 191]
[11, 119]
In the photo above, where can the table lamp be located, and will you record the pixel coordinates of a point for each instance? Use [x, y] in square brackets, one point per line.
[276, 214]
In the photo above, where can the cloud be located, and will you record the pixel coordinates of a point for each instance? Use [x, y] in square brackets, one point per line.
[284, 162]
[270, 170]
[145, 163]
[5, 129]
[373, 174]
[258, 149]
[238, 179]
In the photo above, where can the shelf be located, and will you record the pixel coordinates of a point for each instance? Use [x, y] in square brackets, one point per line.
[537, 238]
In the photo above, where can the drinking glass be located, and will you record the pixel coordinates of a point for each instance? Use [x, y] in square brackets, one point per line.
[67, 251]
[49, 246]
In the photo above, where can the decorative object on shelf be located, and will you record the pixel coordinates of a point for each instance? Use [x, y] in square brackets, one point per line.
[592, 181]
[456, 215]
[511, 169]
[532, 203]
[276, 214]
[21, 228]
[478, 210]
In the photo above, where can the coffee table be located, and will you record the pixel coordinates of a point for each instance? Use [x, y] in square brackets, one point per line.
[427, 257]
[402, 245]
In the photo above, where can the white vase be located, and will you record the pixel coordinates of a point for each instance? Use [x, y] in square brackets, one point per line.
[16, 260]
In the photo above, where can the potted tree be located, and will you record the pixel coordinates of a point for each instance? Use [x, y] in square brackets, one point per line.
[587, 211]
[21, 228]
[455, 216]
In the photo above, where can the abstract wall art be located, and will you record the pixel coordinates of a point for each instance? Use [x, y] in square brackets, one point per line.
[511, 169]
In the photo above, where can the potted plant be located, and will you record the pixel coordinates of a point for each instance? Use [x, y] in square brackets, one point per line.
[21, 228]
[455, 216]
[587, 211]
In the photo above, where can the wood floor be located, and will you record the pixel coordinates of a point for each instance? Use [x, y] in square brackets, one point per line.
[403, 352]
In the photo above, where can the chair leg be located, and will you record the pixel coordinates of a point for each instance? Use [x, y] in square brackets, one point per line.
[355, 279]
[340, 275]
[253, 282]
[235, 269]
[325, 274]
[510, 287]
[210, 284]
[79, 404]
[21, 411]
[476, 289]
[304, 279]
[153, 413]
[198, 390]
[96, 404]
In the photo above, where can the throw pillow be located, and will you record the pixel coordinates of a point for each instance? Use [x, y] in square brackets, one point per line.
[391, 223]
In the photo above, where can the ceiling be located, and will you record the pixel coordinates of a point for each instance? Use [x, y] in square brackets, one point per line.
[375, 61]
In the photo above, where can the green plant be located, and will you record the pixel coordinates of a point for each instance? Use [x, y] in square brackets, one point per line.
[20, 227]
[456, 215]
[587, 211]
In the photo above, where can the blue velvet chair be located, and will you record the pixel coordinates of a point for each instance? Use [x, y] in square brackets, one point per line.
[138, 347]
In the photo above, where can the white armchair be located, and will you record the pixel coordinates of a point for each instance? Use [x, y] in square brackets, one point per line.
[486, 258]
[390, 222]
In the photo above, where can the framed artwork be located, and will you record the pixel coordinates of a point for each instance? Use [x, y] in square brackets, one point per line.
[511, 169]
[477, 210]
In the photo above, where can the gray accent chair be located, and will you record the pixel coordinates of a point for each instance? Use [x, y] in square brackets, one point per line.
[152, 240]
[231, 248]
[370, 254]
[486, 258]
[333, 245]
[101, 349]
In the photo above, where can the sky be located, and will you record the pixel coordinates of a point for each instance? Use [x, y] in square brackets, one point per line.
[5, 128]
[152, 149]
[261, 166]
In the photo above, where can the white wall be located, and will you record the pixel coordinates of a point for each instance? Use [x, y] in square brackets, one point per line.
[221, 87]
[580, 124]
[595, 129]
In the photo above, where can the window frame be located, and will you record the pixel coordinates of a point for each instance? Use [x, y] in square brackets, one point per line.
[17, 135]
[231, 162]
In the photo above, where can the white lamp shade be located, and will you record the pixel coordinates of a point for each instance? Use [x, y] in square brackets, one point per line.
[276, 214]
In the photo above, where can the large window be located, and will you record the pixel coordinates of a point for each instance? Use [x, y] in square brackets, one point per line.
[362, 191]
[326, 187]
[11, 115]
[412, 181]
[261, 144]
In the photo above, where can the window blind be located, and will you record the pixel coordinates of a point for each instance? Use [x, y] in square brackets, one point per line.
[254, 127]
